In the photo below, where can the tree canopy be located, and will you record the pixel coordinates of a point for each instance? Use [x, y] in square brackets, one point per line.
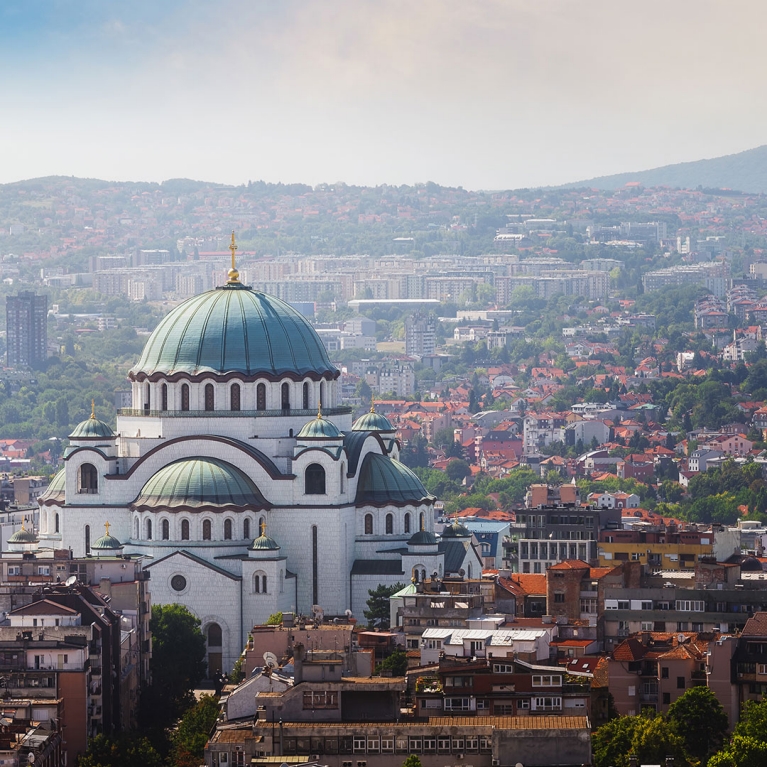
[378, 614]
[698, 717]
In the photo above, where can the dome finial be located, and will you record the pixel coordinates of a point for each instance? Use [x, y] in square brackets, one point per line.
[372, 403]
[107, 526]
[93, 409]
[319, 411]
[234, 275]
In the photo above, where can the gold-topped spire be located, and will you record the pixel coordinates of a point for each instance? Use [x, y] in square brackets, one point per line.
[93, 409]
[319, 411]
[372, 403]
[234, 275]
[107, 526]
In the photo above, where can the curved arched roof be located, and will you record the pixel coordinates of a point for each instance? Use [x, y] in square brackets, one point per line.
[373, 421]
[92, 428]
[234, 329]
[54, 493]
[198, 484]
[385, 481]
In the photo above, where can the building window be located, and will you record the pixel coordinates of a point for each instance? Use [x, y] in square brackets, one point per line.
[680, 683]
[322, 393]
[209, 397]
[234, 397]
[89, 480]
[306, 395]
[285, 392]
[227, 529]
[421, 521]
[246, 528]
[368, 524]
[215, 635]
[341, 477]
[135, 529]
[57, 521]
[389, 524]
[87, 539]
[315, 564]
[407, 523]
[184, 529]
[164, 397]
[559, 597]
[261, 397]
[165, 530]
[263, 584]
[147, 398]
[185, 396]
[207, 530]
[148, 529]
[315, 480]
[257, 583]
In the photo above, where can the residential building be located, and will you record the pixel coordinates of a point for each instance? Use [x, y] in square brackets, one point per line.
[26, 322]
[420, 329]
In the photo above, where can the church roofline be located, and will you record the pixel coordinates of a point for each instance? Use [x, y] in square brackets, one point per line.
[294, 376]
[198, 560]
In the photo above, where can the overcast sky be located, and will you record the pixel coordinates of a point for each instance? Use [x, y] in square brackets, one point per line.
[484, 94]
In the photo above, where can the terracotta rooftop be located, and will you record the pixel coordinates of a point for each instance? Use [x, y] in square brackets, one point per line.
[756, 626]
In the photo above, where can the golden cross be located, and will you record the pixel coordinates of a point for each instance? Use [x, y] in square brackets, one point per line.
[107, 526]
[319, 411]
[93, 409]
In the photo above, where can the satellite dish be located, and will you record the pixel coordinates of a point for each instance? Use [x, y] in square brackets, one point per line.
[270, 659]
[31, 758]
[71, 580]
[348, 613]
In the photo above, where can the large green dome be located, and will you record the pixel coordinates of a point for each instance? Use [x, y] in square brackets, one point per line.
[92, 428]
[198, 484]
[385, 481]
[234, 329]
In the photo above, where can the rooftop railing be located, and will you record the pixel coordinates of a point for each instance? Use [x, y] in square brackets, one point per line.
[310, 413]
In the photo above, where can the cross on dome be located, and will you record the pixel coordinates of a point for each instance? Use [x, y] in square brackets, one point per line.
[93, 409]
[234, 275]
[107, 526]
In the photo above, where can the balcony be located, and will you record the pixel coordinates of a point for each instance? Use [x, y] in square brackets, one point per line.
[311, 413]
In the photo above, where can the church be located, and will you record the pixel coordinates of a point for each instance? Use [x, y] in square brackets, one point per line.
[240, 480]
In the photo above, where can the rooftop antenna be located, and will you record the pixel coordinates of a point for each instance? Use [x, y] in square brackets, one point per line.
[70, 581]
[270, 659]
[234, 275]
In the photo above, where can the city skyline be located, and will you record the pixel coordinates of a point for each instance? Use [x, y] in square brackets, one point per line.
[500, 95]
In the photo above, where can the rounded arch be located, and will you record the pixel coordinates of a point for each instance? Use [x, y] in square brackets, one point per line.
[148, 529]
[261, 397]
[234, 397]
[214, 641]
[285, 396]
[184, 529]
[389, 524]
[306, 395]
[314, 480]
[57, 523]
[185, 396]
[164, 397]
[368, 524]
[89, 479]
[468, 570]
[87, 539]
[228, 529]
[421, 521]
[260, 582]
[246, 528]
[323, 401]
[165, 529]
[407, 522]
[135, 528]
[207, 530]
[210, 397]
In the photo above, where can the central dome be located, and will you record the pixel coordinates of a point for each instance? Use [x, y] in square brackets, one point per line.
[234, 329]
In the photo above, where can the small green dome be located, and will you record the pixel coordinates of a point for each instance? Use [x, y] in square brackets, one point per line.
[384, 480]
[200, 483]
[264, 543]
[422, 538]
[234, 329]
[107, 542]
[320, 428]
[56, 488]
[456, 530]
[92, 428]
[373, 421]
[23, 536]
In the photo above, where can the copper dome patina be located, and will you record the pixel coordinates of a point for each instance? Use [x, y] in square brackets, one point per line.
[385, 481]
[234, 329]
[198, 484]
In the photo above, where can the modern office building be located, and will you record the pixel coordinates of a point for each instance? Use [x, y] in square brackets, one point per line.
[26, 317]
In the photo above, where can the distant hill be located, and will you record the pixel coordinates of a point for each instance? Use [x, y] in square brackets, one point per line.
[744, 172]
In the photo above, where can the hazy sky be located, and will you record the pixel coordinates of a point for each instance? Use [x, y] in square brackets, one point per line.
[480, 93]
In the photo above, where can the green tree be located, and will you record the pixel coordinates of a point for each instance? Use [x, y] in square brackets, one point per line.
[457, 469]
[396, 663]
[377, 614]
[275, 619]
[741, 751]
[753, 720]
[650, 738]
[178, 664]
[701, 721]
[191, 734]
[444, 437]
[412, 761]
[120, 751]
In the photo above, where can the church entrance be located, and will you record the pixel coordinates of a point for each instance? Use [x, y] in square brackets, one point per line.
[215, 650]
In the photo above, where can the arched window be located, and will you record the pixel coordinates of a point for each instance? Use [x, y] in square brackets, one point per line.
[322, 394]
[147, 397]
[306, 395]
[215, 636]
[210, 403]
[234, 397]
[57, 521]
[368, 524]
[282, 581]
[416, 574]
[315, 480]
[341, 477]
[89, 479]
[184, 529]
[164, 391]
[407, 523]
[263, 584]
[165, 530]
[261, 397]
[261, 526]
[135, 529]
[149, 529]
[285, 391]
[207, 530]
[468, 567]
[256, 584]
[421, 520]
[227, 529]
[87, 539]
[423, 575]
[185, 396]
[246, 529]
[389, 524]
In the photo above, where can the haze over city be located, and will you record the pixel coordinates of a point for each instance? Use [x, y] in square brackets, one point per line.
[496, 94]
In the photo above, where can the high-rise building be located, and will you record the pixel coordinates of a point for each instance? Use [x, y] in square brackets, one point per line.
[419, 334]
[26, 321]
